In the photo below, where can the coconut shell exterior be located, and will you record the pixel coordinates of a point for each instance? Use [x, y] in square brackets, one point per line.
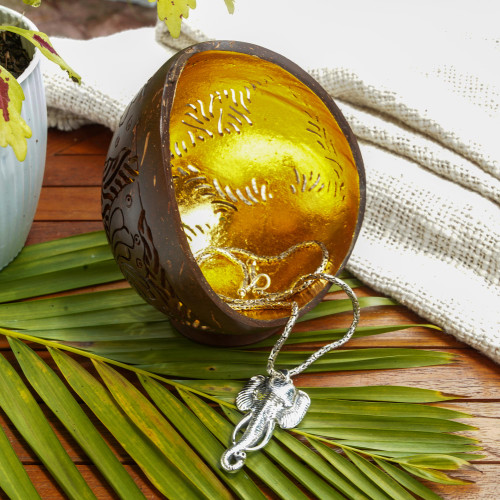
[141, 217]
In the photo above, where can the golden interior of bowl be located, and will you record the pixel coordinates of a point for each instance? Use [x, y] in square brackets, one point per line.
[265, 180]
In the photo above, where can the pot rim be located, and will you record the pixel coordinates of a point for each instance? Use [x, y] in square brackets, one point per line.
[169, 90]
[28, 24]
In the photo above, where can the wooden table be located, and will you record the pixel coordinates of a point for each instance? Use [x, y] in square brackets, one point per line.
[70, 204]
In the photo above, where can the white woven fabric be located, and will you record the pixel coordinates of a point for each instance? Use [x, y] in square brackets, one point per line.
[424, 102]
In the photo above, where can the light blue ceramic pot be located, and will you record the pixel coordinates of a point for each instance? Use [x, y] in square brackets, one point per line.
[21, 182]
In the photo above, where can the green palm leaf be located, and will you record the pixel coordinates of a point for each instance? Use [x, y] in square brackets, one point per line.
[161, 472]
[350, 471]
[24, 412]
[13, 478]
[385, 482]
[308, 478]
[387, 436]
[58, 398]
[149, 420]
[409, 482]
[434, 475]
[320, 466]
[257, 463]
[199, 437]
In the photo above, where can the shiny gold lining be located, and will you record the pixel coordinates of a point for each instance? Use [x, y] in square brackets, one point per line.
[259, 164]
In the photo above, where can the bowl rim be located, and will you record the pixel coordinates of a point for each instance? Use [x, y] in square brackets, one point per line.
[27, 24]
[173, 73]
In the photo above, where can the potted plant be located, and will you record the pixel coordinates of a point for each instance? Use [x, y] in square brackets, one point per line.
[23, 127]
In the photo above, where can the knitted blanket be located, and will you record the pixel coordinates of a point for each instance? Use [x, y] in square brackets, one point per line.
[421, 90]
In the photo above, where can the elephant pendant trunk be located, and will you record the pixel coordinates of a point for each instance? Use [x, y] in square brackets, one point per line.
[268, 401]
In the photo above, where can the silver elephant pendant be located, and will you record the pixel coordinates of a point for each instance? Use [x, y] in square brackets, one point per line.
[268, 400]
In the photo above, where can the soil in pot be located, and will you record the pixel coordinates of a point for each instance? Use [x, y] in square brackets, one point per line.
[13, 57]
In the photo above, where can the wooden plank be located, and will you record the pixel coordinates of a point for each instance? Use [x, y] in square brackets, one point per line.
[74, 170]
[69, 203]
[87, 140]
[485, 488]
[94, 142]
[486, 417]
[51, 230]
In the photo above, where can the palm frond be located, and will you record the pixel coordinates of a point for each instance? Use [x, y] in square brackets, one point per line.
[123, 361]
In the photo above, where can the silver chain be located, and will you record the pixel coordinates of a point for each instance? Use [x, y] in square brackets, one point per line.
[279, 299]
[293, 319]
[251, 279]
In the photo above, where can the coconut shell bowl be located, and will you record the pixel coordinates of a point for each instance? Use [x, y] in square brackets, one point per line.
[232, 176]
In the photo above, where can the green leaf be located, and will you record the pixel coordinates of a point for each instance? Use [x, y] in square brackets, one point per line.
[403, 455]
[392, 393]
[41, 41]
[78, 277]
[434, 476]
[350, 471]
[84, 337]
[119, 315]
[410, 438]
[317, 463]
[445, 462]
[383, 408]
[214, 363]
[33, 3]
[119, 325]
[172, 12]
[229, 6]
[337, 333]
[468, 456]
[258, 463]
[57, 397]
[296, 469]
[60, 246]
[408, 447]
[55, 263]
[242, 363]
[22, 409]
[225, 390]
[13, 129]
[408, 481]
[161, 472]
[336, 399]
[383, 480]
[199, 437]
[147, 418]
[328, 307]
[319, 420]
[14, 480]
[116, 348]
[62, 310]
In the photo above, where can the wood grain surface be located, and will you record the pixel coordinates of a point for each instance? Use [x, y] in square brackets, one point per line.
[70, 204]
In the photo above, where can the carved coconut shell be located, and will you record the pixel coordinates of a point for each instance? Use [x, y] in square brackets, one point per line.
[230, 146]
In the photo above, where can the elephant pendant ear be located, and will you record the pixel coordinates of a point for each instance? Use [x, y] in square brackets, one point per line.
[249, 394]
[289, 418]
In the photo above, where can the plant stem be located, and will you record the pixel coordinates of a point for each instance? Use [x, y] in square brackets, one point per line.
[90, 355]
